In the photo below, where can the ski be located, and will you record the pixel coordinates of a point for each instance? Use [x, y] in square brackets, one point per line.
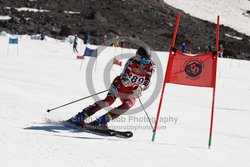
[121, 134]
[100, 130]
[109, 132]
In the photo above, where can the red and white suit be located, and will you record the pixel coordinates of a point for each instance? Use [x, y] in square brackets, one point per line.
[139, 76]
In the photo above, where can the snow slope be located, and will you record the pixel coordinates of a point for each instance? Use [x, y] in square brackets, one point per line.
[46, 74]
[231, 11]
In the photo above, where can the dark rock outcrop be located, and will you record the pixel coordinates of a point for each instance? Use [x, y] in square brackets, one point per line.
[149, 20]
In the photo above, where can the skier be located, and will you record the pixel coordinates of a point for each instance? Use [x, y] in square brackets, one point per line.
[134, 79]
[75, 44]
[184, 47]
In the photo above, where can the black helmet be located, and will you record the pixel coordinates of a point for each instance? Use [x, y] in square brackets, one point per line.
[143, 56]
[143, 53]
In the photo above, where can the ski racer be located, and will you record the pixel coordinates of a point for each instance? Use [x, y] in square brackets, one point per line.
[129, 85]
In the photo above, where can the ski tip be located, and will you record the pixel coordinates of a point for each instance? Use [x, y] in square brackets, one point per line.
[48, 110]
[127, 134]
[130, 135]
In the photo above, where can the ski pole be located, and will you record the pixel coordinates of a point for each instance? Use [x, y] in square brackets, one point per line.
[76, 100]
[145, 112]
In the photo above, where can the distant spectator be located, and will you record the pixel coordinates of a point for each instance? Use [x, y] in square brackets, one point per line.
[123, 44]
[221, 50]
[42, 36]
[86, 39]
[211, 47]
[116, 43]
[104, 38]
[206, 48]
[184, 47]
[75, 44]
[97, 41]
[243, 55]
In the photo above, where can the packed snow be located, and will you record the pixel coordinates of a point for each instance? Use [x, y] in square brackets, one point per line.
[72, 12]
[29, 9]
[5, 17]
[38, 75]
[46, 74]
[233, 12]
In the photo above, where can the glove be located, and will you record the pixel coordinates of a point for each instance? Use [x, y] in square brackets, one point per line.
[137, 91]
[126, 82]
[146, 84]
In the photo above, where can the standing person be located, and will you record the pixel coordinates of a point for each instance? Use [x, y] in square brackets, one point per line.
[97, 41]
[211, 47]
[184, 47]
[221, 50]
[206, 48]
[42, 36]
[75, 44]
[116, 43]
[86, 39]
[130, 84]
[104, 38]
[123, 44]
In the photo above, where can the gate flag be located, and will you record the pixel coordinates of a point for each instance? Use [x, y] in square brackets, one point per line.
[13, 40]
[199, 70]
[191, 70]
[90, 52]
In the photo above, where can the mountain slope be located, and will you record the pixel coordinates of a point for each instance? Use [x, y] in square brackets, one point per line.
[46, 74]
[150, 21]
[233, 12]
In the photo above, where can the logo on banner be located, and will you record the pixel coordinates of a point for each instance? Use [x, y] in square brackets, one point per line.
[193, 68]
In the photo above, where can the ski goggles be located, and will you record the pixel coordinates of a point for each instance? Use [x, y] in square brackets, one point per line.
[142, 61]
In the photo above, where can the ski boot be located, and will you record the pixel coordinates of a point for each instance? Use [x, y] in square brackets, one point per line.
[79, 119]
[101, 122]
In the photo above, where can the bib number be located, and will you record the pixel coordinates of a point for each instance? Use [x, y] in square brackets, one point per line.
[136, 79]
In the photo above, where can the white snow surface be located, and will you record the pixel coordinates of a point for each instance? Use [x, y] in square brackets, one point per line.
[72, 12]
[31, 9]
[230, 11]
[46, 74]
[5, 17]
